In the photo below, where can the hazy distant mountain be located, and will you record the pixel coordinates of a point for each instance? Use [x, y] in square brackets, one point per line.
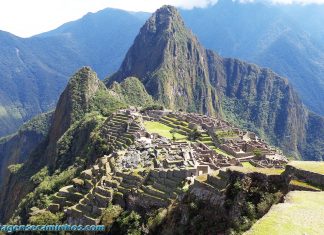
[286, 38]
[34, 71]
[29, 83]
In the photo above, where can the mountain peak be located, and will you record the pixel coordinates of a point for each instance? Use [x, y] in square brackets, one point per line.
[166, 12]
[165, 18]
[171, 63]
[74, 101]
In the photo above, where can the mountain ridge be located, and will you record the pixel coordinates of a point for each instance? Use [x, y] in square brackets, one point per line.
[51, 58]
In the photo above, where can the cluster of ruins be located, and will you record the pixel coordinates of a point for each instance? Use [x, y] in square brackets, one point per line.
[153, 169]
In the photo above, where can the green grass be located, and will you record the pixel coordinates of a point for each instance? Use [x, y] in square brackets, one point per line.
[302, 213]
[248, 165]
[161, 129]
[316, 167]
[303, 184]
[219, 151]
[266, 171]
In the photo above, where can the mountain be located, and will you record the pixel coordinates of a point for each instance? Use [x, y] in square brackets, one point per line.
[34, 71]
[285, 38]
[177, 71]
[29, 85]
[16, 148]
[171, 63]
[99, 164]
[71, 141]
[291, 45]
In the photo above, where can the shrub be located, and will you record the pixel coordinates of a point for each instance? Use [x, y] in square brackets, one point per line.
[194, 134]
[45, 217]
[257, 153]
[128, 223]
[250, 210]
[154, 221]
[110, 214]
[152, 107]
[15, 168]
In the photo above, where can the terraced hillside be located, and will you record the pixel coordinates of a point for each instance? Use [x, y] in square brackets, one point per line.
[117, 132]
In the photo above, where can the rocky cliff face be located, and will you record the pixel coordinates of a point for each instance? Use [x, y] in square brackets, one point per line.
[171, 63]
[264, 101]
[176, 70]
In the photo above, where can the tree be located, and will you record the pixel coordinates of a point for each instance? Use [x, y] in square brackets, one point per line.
[45, 217]
[194, 134]
[127, 223]
[257, 153]
[173, 132]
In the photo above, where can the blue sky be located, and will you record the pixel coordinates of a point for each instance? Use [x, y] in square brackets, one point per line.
[28, 17]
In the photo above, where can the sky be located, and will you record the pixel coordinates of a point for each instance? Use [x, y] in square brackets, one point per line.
[25, 18]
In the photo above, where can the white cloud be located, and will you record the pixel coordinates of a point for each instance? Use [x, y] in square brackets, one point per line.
[29, 17]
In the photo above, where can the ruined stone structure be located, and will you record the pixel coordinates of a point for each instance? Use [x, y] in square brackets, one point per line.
[146, 170]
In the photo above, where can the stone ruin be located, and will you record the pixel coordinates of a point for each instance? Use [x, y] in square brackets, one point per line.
[149, 171]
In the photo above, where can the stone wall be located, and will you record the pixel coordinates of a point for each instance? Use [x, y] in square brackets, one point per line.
[308, 176]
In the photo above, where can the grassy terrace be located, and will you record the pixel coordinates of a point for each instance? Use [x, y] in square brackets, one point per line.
[267, 171]
[303, 184]
[175, 123]
[219, 151]
[248, 165]
[316, 167]
[302, 213]
[163, 130]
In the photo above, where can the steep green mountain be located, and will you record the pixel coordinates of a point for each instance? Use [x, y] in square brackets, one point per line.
[16, 148]
[285, 38]
[176, 70]
[71, 143]
[171, 63]
[34, 71]
[132, 92]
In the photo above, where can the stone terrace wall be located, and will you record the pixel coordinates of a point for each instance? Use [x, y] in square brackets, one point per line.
[308, 176]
